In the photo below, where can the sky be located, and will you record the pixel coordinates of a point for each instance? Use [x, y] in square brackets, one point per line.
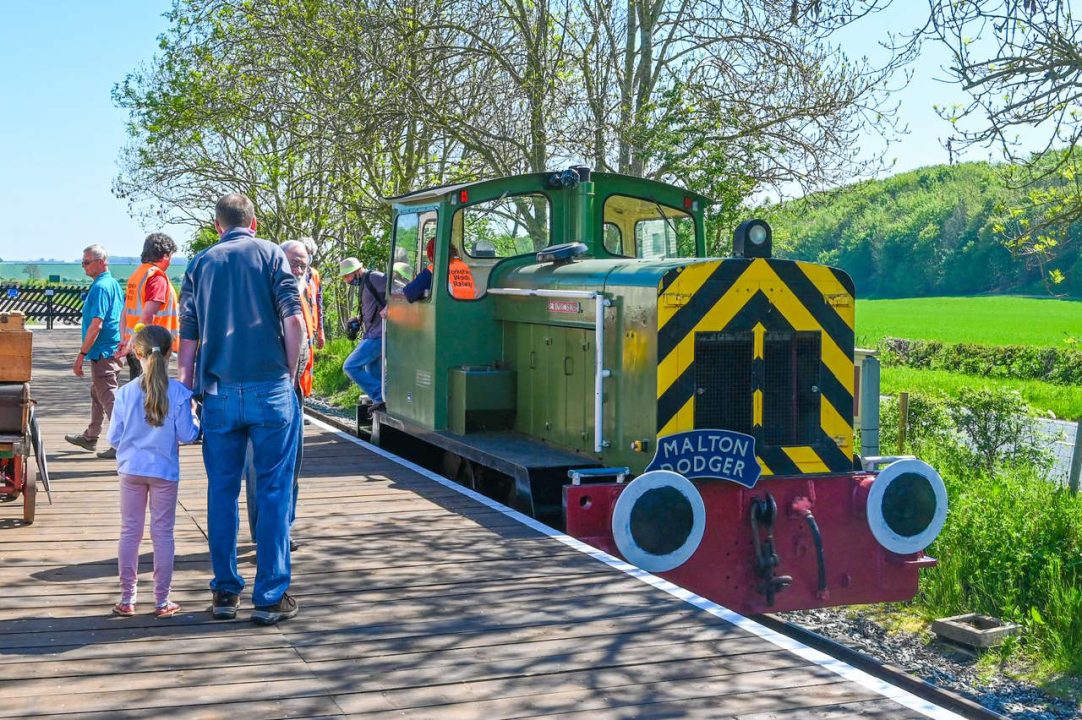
[60, 135]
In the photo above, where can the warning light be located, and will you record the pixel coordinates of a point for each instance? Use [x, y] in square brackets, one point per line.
[687, 203]
[463, 196]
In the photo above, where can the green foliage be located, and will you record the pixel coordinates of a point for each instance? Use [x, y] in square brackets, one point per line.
[928, 424]
[328, 379]
[1011, 548]
[1059, 400]
[1062, 366]
[1012, 545]
[936, 230]
[997, 427]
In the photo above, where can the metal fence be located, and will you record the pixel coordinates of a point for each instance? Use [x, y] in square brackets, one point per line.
[48, 304]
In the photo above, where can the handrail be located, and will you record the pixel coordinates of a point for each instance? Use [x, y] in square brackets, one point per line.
[600, 372]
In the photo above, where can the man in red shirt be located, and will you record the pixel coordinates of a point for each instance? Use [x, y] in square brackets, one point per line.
[150, 297]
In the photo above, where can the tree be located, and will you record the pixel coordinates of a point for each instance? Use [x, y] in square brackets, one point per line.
[318, 109]
[32, 271]
[1020, 62]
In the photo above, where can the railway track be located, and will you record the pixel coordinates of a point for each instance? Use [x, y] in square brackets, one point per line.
[888, 673]
[884, 671]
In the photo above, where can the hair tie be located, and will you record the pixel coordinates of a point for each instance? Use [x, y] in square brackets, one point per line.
[138, 326]
[156, 349]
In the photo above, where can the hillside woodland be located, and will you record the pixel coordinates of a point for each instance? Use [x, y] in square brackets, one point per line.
[939, 230]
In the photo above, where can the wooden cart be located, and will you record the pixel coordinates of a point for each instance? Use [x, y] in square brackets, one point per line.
[19, 431]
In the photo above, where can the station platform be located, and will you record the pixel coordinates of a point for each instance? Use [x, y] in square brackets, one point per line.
[418, 599]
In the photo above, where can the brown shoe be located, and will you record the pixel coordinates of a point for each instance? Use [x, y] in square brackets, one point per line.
[284, 609]
[82, 441]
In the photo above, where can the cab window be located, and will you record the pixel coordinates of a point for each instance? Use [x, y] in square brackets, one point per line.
[411, 233]
[485, 232]
[647, 229]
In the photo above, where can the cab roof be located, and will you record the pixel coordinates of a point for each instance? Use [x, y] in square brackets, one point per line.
[438, 192]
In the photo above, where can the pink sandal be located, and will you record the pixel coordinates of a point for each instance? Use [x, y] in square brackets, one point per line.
[167, 610]
[124, 609]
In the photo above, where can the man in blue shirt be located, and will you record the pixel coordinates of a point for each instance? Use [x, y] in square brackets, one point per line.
[241, 328]
[102, 311]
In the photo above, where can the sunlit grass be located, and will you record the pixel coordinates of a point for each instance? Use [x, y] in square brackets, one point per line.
[1064, 401]
[995, 320]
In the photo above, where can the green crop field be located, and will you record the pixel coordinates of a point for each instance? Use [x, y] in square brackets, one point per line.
[997, 320]
[1000, 320]
[71, 272]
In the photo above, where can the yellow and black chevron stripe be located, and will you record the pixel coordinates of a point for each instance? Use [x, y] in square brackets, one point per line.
[759, 299]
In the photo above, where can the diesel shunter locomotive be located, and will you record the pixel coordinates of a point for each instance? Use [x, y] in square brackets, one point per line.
[578, 356]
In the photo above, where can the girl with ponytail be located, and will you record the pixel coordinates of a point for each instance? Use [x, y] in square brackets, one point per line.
[152, 416]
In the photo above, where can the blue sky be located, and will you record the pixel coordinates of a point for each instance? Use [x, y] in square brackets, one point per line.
[60, 135]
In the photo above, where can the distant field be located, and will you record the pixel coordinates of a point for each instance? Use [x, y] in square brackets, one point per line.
[72, 272]
[999, 320]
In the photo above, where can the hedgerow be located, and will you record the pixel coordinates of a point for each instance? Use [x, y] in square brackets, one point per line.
[1062, 366]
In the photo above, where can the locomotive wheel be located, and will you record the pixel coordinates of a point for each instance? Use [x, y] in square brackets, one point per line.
[457, 468]
[468, 475]
[30, 494]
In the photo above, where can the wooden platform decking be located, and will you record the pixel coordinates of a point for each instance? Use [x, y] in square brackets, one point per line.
[416, 601]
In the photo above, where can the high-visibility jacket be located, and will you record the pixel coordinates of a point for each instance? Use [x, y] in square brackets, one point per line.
[461, 280]
[167, 317]
[304, 379]
[315, 293]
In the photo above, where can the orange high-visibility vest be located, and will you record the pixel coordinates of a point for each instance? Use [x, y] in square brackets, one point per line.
[167, 317]
[461, 280]
[314, 283]
[305, 377]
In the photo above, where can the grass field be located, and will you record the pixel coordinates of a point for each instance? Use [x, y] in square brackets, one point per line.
[73, 272]
[1002, 320]
[999, 320]
[1064, 402]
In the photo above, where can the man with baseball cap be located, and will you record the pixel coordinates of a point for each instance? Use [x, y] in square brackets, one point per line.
[363, 364]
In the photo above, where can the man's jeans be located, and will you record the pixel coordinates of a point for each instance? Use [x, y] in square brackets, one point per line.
[266, 413]
[364, 368]
[250, 478]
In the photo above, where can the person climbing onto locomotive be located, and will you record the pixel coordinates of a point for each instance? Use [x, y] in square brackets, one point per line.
[364, 364]
[150, 298]
[459, 277]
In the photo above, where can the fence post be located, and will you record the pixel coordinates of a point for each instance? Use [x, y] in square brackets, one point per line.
[903, 420]
[48, 311]
[1076, 458]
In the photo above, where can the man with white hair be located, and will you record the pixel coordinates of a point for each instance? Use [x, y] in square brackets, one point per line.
[102, 312]
[315, 292]
[297, 256]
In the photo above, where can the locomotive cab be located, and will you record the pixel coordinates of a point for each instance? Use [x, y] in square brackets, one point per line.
[574, 327]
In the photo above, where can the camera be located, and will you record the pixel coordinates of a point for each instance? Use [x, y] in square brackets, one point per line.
[353, 328]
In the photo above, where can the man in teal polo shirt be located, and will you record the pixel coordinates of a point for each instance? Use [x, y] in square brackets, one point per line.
[102, 312]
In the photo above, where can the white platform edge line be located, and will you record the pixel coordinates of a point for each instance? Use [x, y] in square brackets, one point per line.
[902, 697]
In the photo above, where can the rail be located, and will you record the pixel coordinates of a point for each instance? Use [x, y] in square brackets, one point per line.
[600, 371]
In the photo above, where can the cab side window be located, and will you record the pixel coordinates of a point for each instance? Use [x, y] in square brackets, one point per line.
[485, 232]
[411, 233]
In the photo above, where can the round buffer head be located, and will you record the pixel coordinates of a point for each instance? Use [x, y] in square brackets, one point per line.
[659, 520]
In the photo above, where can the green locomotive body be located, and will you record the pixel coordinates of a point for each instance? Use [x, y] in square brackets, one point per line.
[573, 325]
